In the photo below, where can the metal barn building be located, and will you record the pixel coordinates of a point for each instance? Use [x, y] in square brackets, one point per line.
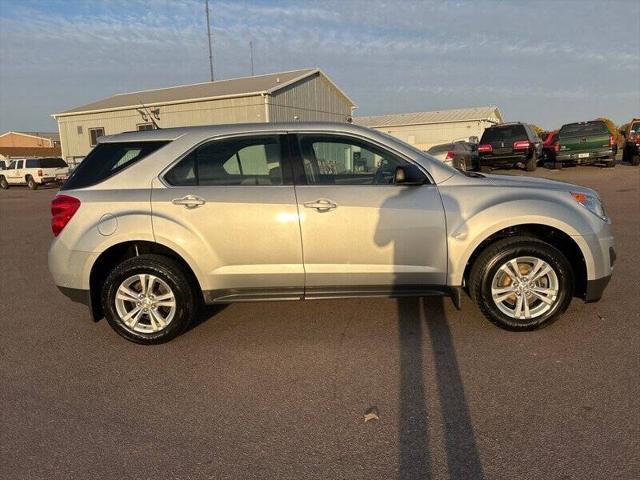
[287, 96]
[426, 129]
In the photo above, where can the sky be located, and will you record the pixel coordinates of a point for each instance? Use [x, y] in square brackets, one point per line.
[543, 62]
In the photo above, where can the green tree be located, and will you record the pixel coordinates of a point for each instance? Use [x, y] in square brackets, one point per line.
[536, 128]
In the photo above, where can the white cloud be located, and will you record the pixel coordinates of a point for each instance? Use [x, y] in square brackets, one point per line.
[387, 55]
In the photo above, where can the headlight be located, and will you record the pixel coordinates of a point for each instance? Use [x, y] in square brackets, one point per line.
[591, 203]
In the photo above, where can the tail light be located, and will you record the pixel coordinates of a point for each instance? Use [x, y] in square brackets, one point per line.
[450, 155]
[485, 148]
[556, 146]
[39, 173]
[612, 141]
[521, 145]
[63, 208]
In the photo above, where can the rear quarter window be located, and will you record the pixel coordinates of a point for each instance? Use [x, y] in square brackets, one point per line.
[108, 159]
[52, 163]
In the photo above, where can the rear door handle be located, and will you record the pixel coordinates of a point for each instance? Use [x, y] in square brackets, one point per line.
[189, 201]
[321, 205]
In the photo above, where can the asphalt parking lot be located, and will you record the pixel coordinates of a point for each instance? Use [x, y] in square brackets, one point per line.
[279, 390]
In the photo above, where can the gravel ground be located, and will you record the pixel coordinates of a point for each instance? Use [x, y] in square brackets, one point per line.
[279, 390]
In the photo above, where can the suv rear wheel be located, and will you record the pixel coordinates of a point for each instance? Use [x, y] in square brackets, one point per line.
[31, 183]
[521, 283]
[149, 299]
[531, 164]
[3, 183]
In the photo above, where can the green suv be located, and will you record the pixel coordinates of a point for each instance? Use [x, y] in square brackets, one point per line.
[586, 142]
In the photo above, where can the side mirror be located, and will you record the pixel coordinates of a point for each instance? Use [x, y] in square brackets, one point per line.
[409, 175]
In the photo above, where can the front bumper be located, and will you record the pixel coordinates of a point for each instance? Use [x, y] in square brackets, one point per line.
[595, 289]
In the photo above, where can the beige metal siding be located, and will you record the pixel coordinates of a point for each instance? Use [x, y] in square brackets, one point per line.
[426, 136]
[232, 110]
[313, 98]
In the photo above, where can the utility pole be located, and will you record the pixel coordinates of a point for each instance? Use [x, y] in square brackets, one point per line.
[251, 51]
[209, 38]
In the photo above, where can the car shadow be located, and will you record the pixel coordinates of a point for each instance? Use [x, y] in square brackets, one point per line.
[419, 318]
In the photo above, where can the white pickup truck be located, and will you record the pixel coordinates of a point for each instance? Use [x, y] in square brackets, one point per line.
[33, 172]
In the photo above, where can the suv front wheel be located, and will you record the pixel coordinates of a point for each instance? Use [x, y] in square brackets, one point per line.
[149, 299]
[521, 283]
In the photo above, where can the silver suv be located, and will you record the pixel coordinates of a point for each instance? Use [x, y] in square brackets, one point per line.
[154, 224]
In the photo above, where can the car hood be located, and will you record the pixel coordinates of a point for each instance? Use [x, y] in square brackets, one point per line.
[507, 181]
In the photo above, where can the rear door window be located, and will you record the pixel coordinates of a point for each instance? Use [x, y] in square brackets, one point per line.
[107, 159]
[237, 161]
[33, 163]
[507, 134]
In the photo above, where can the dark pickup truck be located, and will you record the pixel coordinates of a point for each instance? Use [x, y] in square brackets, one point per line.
[631, 152]
[586, 142]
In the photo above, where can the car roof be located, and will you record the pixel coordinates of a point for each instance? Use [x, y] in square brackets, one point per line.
[169, 134]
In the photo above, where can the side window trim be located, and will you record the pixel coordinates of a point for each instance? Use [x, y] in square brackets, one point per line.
[285, 159]
[300, 177]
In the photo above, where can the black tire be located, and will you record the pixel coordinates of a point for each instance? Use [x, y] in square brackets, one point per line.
[611, 162]
[460, 164]
[531, 163]
[4, 185]
[31, 183]
[494, 256]
[634, 158]
[167, 270]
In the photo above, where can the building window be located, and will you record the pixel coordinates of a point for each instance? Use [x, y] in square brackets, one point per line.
[94, 134]
[144, 126]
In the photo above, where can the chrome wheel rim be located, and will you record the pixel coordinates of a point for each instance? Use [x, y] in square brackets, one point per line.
[525, 288]
[145, 303]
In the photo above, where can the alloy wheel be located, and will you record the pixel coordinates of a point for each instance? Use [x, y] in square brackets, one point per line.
[145, 303]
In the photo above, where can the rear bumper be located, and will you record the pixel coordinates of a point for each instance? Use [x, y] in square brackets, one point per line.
[592, 156]
[502, 160]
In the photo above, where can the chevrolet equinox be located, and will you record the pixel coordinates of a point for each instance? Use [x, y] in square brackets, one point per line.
[154, 224]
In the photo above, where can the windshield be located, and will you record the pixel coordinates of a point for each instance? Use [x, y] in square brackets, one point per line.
[587, 128]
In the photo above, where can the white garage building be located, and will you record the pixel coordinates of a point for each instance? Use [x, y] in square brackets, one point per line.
[426, 129]
[278, 97]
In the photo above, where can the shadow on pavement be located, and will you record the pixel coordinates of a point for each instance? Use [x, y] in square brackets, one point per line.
[463, 457]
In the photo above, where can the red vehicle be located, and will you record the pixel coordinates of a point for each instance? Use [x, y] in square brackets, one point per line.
[550, 145]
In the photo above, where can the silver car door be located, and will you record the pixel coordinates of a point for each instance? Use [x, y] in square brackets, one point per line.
[360, 231]
[229, 206]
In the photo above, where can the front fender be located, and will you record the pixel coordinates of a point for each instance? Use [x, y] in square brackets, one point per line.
[468, 227]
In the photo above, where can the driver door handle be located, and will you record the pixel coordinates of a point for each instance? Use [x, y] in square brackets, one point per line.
[321, 205]
[189, 201]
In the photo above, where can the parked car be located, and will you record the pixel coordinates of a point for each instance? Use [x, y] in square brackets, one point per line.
[631, 149]
[461, 155]
[152, 224]
[586, 142]
[549, 145]
[32, 172]
[508, 145]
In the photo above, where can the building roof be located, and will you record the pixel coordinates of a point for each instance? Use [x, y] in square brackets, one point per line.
[46, 135]
[236, 87]
[20, 152]
[421, 118]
